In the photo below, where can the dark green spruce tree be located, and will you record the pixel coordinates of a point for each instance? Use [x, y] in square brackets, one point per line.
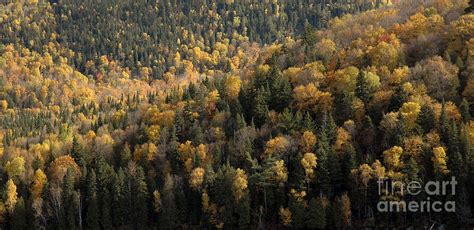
[316, 214]
[92, 214]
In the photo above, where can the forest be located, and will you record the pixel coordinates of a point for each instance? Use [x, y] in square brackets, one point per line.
[250, 114]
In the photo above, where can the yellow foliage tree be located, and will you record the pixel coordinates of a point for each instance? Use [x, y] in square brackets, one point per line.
[325, 48]
[345, 79]
[239, 184]
[385, 54]
[196, 178]
[39, 181]
[277, 145]
[4, 105]
[308, 140]
[163, 119]
[15, 167]
[232, 85]
[439, 159]
[157, 201]
[58, 168]
[310, 98]
[346, 210]
[309, 163]
[211, 101]
[186, 150]
[363, 174]
[419, 24]
[147, 150]
[343, 137]
[410, 111]
[413, 145]
[378, 170]
[201, 152]
[280, 172]
[285, 216]
[11, 196]
[153, 133]
[392, 157]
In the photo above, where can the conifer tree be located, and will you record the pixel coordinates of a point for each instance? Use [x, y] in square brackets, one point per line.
[92, 214]
[77, 153]
[118, 203]
[401, 130]
[103, 176]
[444, 124]
[286, 122]
[70, 210]
[168, 217]
[330, 129]
[139, 199]
[18, 219]
[456, 164]
[125, 155]
[298, 213]
[426, 118]
[343, 107]
[399, 97]
[281, 92]
[316, 214]
[260, 108]
[308, 123]
[465, 111]
[348, 163]
[362, 88]
[322, 169]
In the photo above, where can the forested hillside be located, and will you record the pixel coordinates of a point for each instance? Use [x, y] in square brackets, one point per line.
[149, 33]
[232, 114]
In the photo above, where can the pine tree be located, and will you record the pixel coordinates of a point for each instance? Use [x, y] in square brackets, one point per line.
[412, 170]
[426, 118]
[335, 173]
[168, 216]
[243, 212]
[330, 128]
[308, 123]
[464, 108]
[399, 97]
[18, 219]
[369, 135]
[104, 176]
[348, 163]
[316, 214]
[444, 124]
[119, 206]
[281, 92]
[260, 108]
[92, 215]
[343, 107]
[77, 153]
[71, 209]
[401, 130]
[309, 37]
[322, 170]
[286, 122]
[465, 145]
[240, 122]
[140, 200]
[298, 213]
[456, 164]
[362, 88]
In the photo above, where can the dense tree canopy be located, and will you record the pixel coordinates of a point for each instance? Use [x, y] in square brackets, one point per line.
[231, 114]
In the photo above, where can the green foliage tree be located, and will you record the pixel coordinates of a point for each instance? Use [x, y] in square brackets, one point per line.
[316, 214]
